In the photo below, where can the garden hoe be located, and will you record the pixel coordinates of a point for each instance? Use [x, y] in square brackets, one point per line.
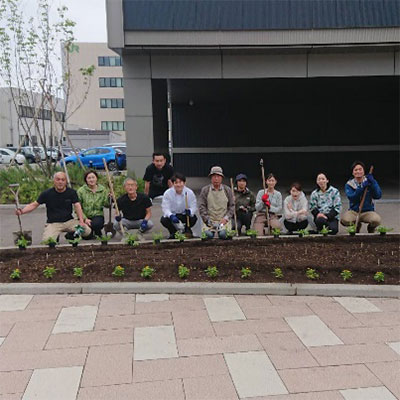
[358, 223]
[234, 208]
[265, 191]
[18, 235]
[188, 231]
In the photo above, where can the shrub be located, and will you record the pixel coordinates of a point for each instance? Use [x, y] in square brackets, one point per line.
[104, 238]
[351, 229]
[276, 231]
[131, 239]
[346, 274]
[246, 272]
[118, 271]
[277, 272]
[212, 271]
[303, 232]
[252, 233]
[147, 272]
[183, 272]
[49, 272]
[180, 236]
[78, 272]
[312, 273]
[22, 242]
[325, 230]
[383, 229]
[157, 237]
[50, 241]
[379, 277]
[15, 274]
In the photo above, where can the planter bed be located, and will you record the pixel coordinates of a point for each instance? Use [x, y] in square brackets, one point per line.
[362, 255]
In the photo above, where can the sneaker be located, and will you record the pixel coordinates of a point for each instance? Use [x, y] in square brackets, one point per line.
[69, 236]
[171, 236]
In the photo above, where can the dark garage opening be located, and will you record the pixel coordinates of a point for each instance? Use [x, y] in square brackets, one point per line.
[286, 113]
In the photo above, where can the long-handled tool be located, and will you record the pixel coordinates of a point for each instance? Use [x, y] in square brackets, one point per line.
[25, 234]
[109, 226]
[234, 209]
[371, 170]
[188, 230]
[265, 191]
[117, 213]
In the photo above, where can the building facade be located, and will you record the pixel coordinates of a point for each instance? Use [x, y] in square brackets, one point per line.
[305, 85]
[103, 108]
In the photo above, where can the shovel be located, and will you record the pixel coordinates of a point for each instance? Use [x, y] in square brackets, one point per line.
[109, 227]
[18, 235]
[188, 231]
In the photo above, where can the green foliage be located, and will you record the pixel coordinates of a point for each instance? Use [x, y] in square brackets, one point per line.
[325, 230]
[351, 229]
[312, 274]
[132, 239]
[183, 272]
[15, 274]
[245, 272]
[276, 231]
[379, 277]
[49, 241]
[75, 240]
[203, 236]
[383, 229]
[118, 271]
[49, 272]
[22, 242]
[147, 272]
[212, 271]
[346, 274]
[157, 237]
[252, 233]
[180, 236]
[230, 233]
[78, 272]
[104, 238]
[303, 232]
[277, 272]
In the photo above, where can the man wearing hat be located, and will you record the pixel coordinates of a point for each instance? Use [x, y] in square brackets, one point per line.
[216, 205]
[244, 202]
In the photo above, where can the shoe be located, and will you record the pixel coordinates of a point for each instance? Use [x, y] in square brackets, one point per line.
[171, 236]
[69, 236]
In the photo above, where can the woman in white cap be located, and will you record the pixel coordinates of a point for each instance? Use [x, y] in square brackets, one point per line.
[216, 205]
[244, 203]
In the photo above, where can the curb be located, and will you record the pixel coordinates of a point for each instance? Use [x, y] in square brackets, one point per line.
[281, 289]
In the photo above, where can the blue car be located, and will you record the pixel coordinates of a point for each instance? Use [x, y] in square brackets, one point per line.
[93, 158]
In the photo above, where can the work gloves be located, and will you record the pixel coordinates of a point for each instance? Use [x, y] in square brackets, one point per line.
[371, 179]
[265, 200]
[243, 208]
[174, 219]
[187, 212]
[118, 218]
[143, 225]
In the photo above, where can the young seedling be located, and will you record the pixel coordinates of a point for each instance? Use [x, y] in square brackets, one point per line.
[78, 272]
[132, 239]
[22, 243]
[246, 272]
[230, 233]
[346, 274]
[104, 238]
[277, 272]
[157, 237]
[276, 232]
[325, 230]
[252, 233]
[303, 232]
[352, 229]
[379, 277]
[147, 272]
[75, 241]
[383, 230]
[118, 271]
[180, 236]
[183, 272]
[49, 272]
[203, 236]
[15, 274]
[312, 274]
[212, 271]
[51, 242]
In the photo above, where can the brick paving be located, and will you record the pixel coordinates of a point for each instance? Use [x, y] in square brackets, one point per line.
[199, 347]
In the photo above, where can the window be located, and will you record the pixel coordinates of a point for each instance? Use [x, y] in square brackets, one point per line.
[91, 152]
[104, 151]
[111, 103]
[113, 125]
[29, 112]
[106, 61]
[111, 82]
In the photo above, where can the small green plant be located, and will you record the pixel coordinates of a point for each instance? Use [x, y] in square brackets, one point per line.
[75, 241]
[22, 243]
[104, 238]
[325, 230]
[183, 272]
[346, 274]
[180, 236]
[230, 233]
[49, 272]
[303, 232]
[277, 272]
[379, 277]
[246, 272]
[212, 271]
[15, 274]
[383, 229]
[132, 239]
[352, 229]
[157, 237]
[203, 236]
[312, 274]
[147, 272]
[118, 271]
[276, 232]
[252, 233]
[51, 242]
[78, 272]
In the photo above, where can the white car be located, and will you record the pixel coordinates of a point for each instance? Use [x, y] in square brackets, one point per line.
[7, 155]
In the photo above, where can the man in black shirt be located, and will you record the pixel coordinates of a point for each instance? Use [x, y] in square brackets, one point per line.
[135, 208]
[158, 176]
[59, 201]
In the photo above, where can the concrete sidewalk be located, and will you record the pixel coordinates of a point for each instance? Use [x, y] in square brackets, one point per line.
[160, 346]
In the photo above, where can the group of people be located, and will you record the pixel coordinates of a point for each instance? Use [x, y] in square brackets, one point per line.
[220, 208]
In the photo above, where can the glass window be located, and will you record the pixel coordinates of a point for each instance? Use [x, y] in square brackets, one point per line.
[113, 82]
[114, 103]
[103, 103]
[101, 82]
[104, 151]
[112, 61]
[90, 152]
[101, 61]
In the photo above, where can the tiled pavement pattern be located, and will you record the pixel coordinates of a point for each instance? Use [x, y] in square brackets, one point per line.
[94, 347]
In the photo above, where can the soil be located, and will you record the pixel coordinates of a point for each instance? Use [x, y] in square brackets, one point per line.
[362, 255]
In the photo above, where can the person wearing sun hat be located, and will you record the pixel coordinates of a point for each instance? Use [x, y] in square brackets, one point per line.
[244, 203]
[216, 205]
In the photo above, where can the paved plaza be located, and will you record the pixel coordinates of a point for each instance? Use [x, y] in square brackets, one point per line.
[159, 346]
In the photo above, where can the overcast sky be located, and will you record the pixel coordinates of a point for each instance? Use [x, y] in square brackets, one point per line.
[89, 15]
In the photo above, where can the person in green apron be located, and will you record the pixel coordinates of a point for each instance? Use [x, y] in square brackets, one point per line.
[216, 205]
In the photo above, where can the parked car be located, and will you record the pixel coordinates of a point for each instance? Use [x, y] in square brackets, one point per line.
[36, 153]
[93, 157]
[8, 155]
[121, 160]
[118, 144]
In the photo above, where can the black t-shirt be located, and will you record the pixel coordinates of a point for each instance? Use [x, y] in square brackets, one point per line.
[58, 205]
[136, 209]
[158, 179]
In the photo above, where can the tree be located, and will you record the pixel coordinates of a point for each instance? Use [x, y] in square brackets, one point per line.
[31, 52]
